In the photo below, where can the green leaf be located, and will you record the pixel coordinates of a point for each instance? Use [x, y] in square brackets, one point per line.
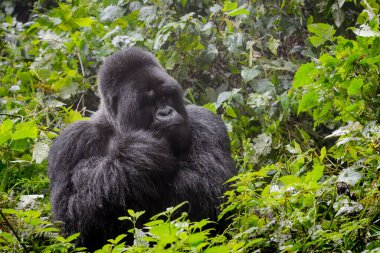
[217, 249]
[273, 45]
[230, 112]
[229, 6]
[305, 75]
[290, 180]
[328, 61]
[85, 22]
[196, 239]
[316, 41]
[323, 33]
[5, 131]
[316, 173]
[72, 237]
[25, 130]
[21, 145]
[308, 101]
[355, 86]
[72, 116]
[238, 12]
[323, 154]
[153, 223]
[119, 238]
[166, 232]
[183, 2]
[131, 212]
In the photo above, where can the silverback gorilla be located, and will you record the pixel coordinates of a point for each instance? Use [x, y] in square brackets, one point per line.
[142, 150]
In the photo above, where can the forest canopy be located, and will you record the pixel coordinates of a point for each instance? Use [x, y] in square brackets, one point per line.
[296, 82]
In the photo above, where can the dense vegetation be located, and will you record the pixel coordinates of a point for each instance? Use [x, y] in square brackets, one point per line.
[297, 83]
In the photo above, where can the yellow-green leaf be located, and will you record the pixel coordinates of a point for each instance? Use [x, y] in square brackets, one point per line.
[84, 21]
[230, 112]
[355, 86]
[308, 101]
[305, 75]
[25, 130]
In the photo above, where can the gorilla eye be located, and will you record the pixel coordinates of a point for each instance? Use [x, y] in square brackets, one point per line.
[150, 94]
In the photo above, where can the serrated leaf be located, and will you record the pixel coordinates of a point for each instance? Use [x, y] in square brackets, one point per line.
[119, 238]
[349, 176]
[85, 22]
[217, 249]
[308, 101]
[6, 125]
[131, 212]
[196, 239]
[248, 74]
[153, 223]
[215, 8]
[230, 112]
[321, 30]
[323, 33]
[110, 13]
[291, 150]
[339, 17]
[25, 130]
[262, 144]
[229, 6]
[224, 96]
[72, 237]
[316, 173]
[273, 45]
[304, 75]
[71, 116]
[54, 103]
[290, 180]
[366, 31]
[40, 152]
[328, 61]
[316, 41]
[5, 131]
[355, 86]
[323, 154]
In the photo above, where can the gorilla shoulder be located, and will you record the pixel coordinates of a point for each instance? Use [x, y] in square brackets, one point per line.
[207, 126]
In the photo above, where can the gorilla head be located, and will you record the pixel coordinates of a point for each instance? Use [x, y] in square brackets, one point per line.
[143, 98]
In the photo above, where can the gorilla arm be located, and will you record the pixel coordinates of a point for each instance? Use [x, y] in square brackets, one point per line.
[90, 183]
[202, 174]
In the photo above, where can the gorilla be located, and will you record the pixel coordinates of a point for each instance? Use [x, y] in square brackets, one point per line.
[142, 150]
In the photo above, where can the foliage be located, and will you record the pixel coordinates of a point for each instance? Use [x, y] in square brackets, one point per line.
[296, 83]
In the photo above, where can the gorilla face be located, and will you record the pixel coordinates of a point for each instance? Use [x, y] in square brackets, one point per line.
[163, 110]
[147, 99]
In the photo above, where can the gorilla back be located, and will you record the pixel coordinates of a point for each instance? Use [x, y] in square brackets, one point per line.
[142, 150]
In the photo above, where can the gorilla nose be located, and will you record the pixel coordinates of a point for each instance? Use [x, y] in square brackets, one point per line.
[164, 112]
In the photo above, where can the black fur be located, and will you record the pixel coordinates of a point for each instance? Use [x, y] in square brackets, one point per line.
[142, 150]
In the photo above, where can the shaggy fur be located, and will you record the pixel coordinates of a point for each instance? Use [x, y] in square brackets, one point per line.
[127, 157]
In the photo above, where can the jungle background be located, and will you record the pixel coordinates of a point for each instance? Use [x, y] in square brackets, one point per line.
[296, 81]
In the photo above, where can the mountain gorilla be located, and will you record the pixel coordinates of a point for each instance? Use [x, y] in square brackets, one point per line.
[142, 150]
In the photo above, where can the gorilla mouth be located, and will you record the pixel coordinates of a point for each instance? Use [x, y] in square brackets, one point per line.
[171, 126]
